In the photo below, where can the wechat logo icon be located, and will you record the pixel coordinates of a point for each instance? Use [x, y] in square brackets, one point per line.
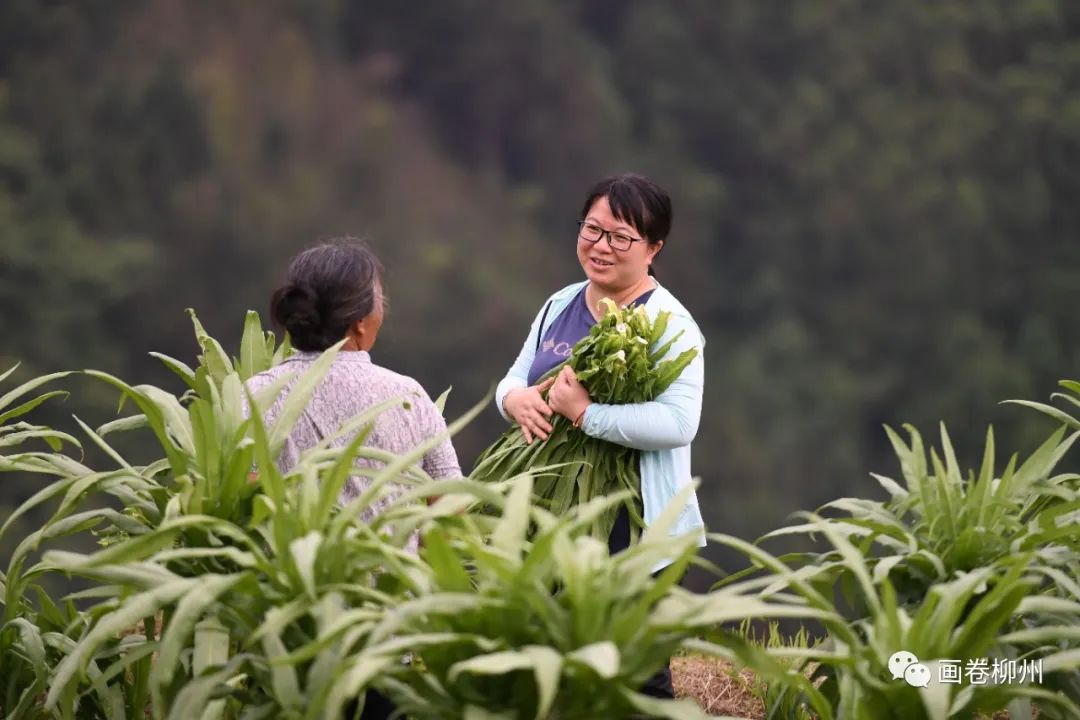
[904, 665]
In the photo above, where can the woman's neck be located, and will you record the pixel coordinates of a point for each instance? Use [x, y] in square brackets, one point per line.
[621, 297]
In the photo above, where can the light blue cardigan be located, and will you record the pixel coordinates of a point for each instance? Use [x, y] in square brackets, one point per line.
[662, 429]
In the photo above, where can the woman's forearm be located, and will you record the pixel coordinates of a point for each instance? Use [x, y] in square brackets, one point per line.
[668, 422]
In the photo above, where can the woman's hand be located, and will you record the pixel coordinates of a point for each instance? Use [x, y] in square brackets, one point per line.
[527, 408]
[568, 396]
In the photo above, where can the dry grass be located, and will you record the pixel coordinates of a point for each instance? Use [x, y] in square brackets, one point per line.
[717, 687]
[720, 690]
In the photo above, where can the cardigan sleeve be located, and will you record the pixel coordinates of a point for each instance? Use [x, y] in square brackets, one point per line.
[517, 376]
[671, 420]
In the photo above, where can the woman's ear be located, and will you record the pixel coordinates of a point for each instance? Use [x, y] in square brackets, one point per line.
[363, 332]
[356, 335]
[654, 249]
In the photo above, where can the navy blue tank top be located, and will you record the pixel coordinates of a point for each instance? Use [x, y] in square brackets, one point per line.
[572, 324]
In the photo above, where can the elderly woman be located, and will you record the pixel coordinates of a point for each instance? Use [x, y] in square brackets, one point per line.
[332, 292]
[624, 224]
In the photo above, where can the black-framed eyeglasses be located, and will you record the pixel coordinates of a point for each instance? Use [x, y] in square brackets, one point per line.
[590, 232]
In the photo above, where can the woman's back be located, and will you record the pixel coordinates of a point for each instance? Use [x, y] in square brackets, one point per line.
[352, 386]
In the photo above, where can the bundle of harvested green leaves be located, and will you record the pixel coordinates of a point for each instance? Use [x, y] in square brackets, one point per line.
[618, 362]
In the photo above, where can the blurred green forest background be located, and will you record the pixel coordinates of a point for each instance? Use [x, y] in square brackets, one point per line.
[876, 216]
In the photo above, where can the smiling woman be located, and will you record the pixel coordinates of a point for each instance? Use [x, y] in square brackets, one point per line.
[624, 223]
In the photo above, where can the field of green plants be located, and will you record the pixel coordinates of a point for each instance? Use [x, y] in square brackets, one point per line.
[215, 593]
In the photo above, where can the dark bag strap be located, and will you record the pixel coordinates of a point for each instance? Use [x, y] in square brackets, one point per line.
[540, 327]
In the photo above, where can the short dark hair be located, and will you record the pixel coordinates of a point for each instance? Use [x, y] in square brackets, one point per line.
[636, 200]
[327, 288]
